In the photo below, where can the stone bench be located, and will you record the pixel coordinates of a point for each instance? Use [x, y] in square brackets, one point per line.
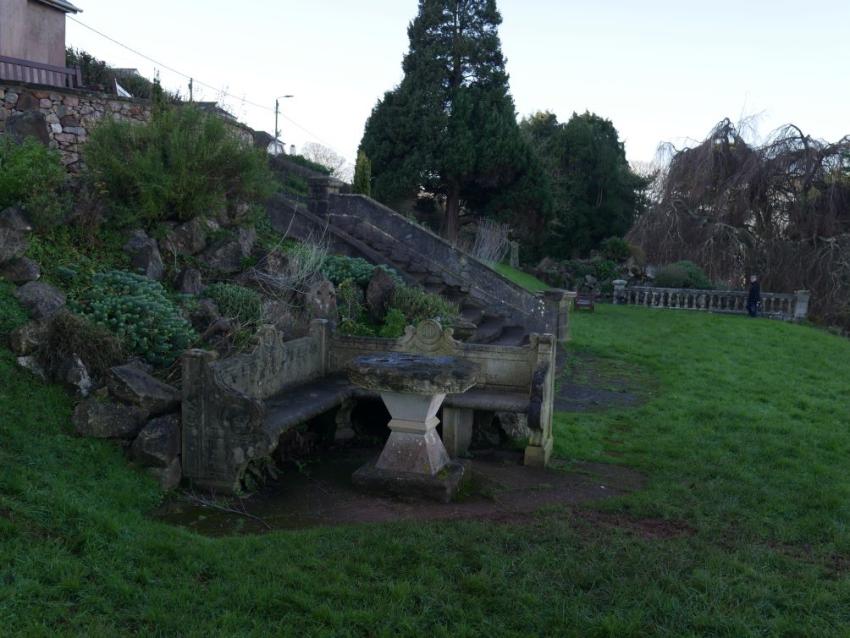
[235, 410]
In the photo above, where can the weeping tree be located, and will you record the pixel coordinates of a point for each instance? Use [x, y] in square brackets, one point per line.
[450, 127]
[781, 210]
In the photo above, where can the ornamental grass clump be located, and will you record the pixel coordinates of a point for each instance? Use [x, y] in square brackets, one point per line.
[138, 311]
[237, 303]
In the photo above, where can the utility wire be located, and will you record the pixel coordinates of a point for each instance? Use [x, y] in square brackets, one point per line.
[196, 81]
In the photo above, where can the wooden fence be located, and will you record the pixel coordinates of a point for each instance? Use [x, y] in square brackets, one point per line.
[17, 70]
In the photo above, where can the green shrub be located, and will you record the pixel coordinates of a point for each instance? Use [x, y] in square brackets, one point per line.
[69, 255]
[136, 310]
[394, 324]
[616, 249]
[237, 303]
[338, 268]
[32, 176]
[310, 164]
[416, 305]
[69, 334]
[12, 315]
[181, 164]
[682, 274]
[349, 301]
[605, 270]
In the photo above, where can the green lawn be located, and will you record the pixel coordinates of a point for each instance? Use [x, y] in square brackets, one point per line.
[527, 281]
[745, 440]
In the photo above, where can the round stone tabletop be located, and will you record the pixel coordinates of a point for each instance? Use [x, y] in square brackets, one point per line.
[413, 373]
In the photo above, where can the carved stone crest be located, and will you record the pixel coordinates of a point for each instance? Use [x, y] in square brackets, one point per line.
[429, 337]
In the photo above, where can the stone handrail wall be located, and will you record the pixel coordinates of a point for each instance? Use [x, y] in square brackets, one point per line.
[786, 306]
[543, 312]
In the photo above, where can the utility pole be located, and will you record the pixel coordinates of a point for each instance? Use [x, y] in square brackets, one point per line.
[191, 92]
[276, 116]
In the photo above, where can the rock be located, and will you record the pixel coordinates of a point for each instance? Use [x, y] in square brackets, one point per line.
[228, 255]
[26, 339]
[108, 420]
[145, 258]
[168, 477]
[31, 364]
[274, 262]
[320, 301]
[40, 299]
[14, 228]
[27, 124]
[158, 444]
[278, 314]
[379, 294]
[133, 385]
[187, 239]
[20, 270]
[189, 282]
[13, 219]
[515, 426]
[73, 373]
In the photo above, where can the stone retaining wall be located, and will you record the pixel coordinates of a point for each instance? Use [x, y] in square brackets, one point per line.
[63, 118]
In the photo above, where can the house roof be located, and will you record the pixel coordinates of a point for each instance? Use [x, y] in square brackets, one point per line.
[62, 5]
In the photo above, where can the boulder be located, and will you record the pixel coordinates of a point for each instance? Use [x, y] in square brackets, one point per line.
[74, 374]
[41, 300]
[14, 229]
[31, 364]
[20, 270]
[28, 124]
[228, 255]
[145, 257]
[158, 444]
[108, 420]
[26, 339]
[13, 219]
[132, 384]
[515, 426]
[278, 314]
[187, 239]
[168, 477]
[320, 301]
[189, 282]
[379, 294]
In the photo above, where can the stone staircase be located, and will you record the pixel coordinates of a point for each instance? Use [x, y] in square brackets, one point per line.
[493, 310]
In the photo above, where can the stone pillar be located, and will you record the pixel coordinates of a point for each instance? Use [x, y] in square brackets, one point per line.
[514, 254]
[801, 305]
[414, 445]
[195, 444]
[556, 305]
[321, 190]
[457, 430]
[320, 329]
[620, 291]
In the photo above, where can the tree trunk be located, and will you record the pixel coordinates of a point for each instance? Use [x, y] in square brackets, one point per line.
[453, 213]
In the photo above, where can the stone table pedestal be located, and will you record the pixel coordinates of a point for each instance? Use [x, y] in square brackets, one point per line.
[413, 387]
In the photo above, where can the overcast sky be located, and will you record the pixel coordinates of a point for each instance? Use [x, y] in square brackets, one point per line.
[661, 70]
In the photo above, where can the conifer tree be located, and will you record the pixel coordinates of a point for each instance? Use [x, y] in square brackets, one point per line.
[362, 175]
[450, 127]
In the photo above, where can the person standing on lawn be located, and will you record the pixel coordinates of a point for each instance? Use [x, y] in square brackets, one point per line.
[754, 298]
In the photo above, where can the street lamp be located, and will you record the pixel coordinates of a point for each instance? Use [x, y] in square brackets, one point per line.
[276, 115]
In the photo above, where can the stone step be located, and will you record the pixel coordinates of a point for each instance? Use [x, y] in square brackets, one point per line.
[511, 336]
[488, 331]
[472, 315]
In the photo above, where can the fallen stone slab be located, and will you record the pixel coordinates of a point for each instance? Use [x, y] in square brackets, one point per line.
[132, 384]
[108, 419]
[20, 270]
[158, 444]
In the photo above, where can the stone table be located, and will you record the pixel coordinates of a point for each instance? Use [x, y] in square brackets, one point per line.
[413, 387]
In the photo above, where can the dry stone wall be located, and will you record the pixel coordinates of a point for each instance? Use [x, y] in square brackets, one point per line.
[63, 118]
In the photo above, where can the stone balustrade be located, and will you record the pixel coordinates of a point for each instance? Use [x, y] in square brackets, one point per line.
[785, 306]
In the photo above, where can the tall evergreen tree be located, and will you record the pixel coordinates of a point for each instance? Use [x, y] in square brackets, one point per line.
[595, 193]
[362, 175]
[450, 127]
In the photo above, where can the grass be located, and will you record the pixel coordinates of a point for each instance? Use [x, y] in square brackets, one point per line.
[745, 441]
[527, 281]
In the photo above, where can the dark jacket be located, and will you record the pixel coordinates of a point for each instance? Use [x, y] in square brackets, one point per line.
[755, 293]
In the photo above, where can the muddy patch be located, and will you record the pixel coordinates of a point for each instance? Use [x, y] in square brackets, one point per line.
[647, 528]
[587, 383]
[322, 494]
